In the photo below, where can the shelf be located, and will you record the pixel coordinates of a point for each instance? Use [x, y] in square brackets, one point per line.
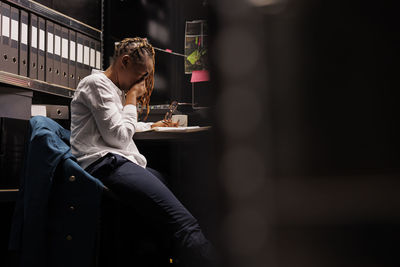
[35, 85]
[8, 195]
[58, 17]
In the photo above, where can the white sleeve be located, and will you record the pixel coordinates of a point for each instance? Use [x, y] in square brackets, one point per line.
[143, 126]
[116, 128]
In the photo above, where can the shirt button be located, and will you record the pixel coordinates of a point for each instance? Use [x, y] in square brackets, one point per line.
[72, 178]
[68, 237]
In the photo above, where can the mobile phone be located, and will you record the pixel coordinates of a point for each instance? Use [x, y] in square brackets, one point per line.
[171, 109]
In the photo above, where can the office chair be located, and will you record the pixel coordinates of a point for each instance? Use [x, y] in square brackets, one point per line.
[64, 217]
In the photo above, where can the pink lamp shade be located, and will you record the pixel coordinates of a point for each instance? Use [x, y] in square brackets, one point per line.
[200, 76]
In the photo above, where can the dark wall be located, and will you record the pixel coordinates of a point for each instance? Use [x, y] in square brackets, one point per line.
[334, 81]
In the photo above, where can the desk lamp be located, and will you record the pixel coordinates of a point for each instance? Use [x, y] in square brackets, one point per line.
[198, 76]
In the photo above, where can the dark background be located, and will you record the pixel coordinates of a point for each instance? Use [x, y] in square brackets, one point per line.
[327, 81]
[86, 11]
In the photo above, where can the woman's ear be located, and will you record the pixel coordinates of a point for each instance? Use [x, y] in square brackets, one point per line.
[125, 60]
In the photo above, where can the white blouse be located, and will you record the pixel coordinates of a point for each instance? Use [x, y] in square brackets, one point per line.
[100, 123]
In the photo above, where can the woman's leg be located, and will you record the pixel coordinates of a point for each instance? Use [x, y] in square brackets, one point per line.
[149, 196]
[158, 175]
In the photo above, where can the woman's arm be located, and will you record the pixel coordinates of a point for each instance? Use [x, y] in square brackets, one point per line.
[136, 91]
[116, 127]
[164, 124]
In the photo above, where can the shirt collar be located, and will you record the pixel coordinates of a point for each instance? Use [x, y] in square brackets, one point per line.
[119, 91]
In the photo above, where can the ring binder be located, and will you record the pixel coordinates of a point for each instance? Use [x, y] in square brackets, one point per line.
[72, 78]
[64, 57]
[14, 42]
[98, 56]
[33, 47]
[57, 54]
[49, 52]
[86, 56]
[92, 55]
[5, 36]
[42, 50]
[79, 58]
[23, 45]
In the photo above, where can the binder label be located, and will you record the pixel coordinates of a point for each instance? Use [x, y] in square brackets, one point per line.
[6, 26]
[86, 55]
[34, 37]
[57, 44]
[24, 33]
[98, 59]
[80, 54]
[14, 30]
[50, 42]
[64, 48]
[41, 39]
[92, 58]
[72, 50]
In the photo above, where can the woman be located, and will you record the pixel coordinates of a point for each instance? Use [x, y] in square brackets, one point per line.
[103, 122]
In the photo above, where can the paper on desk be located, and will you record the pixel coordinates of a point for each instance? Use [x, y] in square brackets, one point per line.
[180, 129]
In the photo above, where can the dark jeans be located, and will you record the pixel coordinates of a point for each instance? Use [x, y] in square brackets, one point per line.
[145, 191]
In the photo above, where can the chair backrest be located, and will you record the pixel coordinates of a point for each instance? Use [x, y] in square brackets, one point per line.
[58, 207]
[74, 214]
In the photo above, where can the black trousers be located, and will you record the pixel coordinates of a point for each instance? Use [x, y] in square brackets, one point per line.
[146, 192]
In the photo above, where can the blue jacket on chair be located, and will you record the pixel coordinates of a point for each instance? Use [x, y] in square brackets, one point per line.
[56, 215]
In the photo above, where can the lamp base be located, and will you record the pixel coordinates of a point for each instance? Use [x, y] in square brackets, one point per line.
[193, 102]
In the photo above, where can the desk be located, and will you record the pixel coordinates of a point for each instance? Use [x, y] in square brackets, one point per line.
[154, 135]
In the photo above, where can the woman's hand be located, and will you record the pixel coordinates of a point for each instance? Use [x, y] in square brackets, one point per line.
[136, 91]
[164, 124]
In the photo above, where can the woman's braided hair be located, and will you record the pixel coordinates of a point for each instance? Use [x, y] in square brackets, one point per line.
[136, 48]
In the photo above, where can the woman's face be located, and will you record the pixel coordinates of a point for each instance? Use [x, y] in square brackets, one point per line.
[133, 72]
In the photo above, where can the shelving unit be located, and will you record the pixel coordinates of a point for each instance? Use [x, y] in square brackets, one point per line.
[40, 92]
[35, 85]
[63, 20]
